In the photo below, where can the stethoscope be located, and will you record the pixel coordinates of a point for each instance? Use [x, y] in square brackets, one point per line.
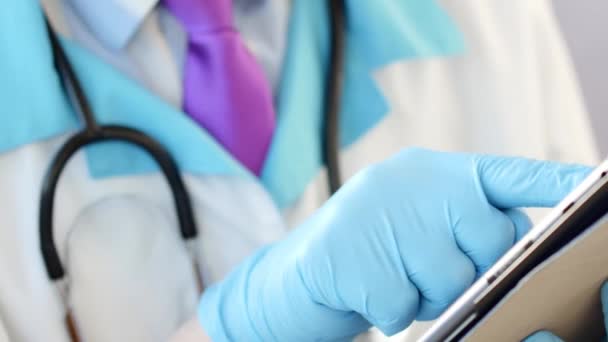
[94, 133]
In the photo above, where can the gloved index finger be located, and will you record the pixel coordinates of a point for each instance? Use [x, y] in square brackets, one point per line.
[511, 182]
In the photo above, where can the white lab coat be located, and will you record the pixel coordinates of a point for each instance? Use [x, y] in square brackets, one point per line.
[118, 238]
[512, 92]
[3, 334]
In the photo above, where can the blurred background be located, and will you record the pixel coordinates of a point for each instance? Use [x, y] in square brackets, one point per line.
[585, 29]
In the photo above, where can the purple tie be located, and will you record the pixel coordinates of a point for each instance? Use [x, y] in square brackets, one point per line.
[224, 89]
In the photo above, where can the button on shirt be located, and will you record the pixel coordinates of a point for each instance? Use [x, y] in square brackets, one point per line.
[144, 41]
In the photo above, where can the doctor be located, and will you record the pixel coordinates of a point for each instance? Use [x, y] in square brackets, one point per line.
[178, 73]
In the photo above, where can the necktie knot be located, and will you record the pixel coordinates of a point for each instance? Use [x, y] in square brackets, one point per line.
[201, 15]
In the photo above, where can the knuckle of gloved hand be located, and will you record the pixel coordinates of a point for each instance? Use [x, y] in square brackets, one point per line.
[392, 166]
[521, 222]
[440, 287]
[373, 176]
[498, 242]
[412, 154]
[452, 286]
[484, 237]
[394, 306]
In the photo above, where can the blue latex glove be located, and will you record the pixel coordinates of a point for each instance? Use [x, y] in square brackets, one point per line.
[401, 240]
[545, 336]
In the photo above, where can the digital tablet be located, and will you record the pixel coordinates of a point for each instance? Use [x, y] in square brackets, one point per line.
[579, 210]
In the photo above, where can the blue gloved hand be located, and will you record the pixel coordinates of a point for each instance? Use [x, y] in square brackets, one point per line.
[401, 240]
[545, 336]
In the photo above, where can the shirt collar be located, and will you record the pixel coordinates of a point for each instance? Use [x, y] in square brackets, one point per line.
[113, 22]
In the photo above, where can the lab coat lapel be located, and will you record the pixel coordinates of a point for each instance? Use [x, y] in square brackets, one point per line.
[118, 100]
[33, 105]
[294, 157]
[378, 32]
[31, 93]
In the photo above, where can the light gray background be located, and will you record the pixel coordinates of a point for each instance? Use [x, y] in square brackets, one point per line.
[585, 27]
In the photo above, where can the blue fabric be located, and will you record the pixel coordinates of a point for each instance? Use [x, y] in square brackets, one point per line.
[28, 74]
[379, 32]
[113, 21]
[408, 29]
[119, 101]
[399, 242]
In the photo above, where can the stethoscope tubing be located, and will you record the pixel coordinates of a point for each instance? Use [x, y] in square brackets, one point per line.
[94, 133]
[81, 139]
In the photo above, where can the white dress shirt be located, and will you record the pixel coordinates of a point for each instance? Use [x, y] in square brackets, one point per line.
[124, 32]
